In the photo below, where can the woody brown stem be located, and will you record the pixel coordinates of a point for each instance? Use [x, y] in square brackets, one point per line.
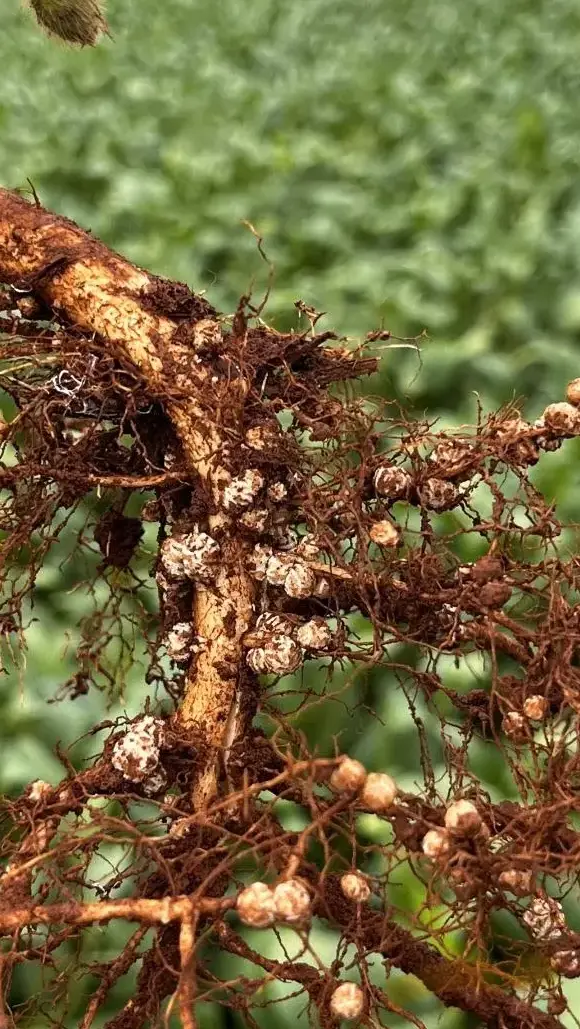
[456, 983]
[100, 292]
[152, 912]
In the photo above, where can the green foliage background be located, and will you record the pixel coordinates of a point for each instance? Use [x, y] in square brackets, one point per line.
[410, 164]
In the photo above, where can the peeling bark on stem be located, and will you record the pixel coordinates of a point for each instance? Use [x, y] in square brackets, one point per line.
[98, 291]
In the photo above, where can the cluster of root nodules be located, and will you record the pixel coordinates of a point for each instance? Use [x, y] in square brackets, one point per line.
[396, 569]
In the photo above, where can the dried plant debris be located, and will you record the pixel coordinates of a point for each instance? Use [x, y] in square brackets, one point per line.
[77, 22]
